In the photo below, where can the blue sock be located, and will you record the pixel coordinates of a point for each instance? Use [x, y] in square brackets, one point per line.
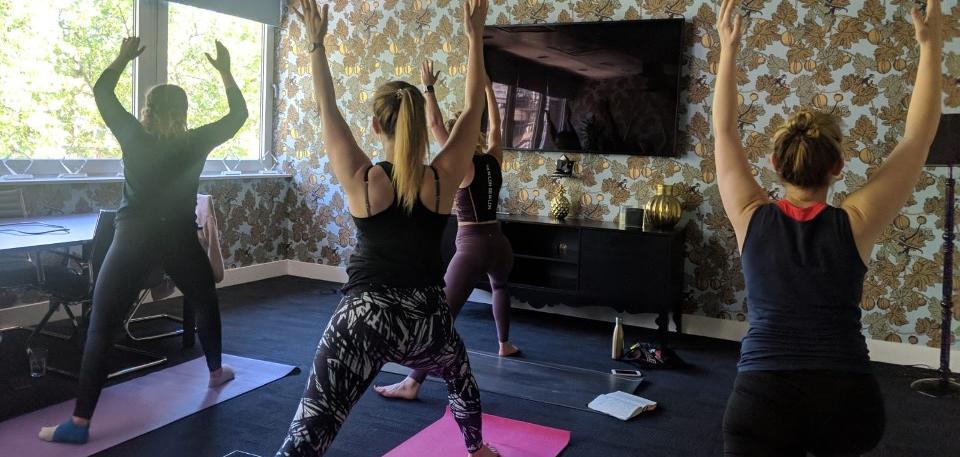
[68, 432]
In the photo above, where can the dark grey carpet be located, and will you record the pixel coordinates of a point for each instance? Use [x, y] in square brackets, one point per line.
[282, 319]
[548, 383]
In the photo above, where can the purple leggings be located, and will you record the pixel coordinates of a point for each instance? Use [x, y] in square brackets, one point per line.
[481, 249]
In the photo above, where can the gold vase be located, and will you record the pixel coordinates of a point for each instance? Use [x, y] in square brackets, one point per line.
[663, 211]
[560, 205]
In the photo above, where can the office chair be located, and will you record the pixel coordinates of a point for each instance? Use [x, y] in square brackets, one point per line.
[16, 269]
[74, 283]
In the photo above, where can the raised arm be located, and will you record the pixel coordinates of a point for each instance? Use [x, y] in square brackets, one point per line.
[346, 158]
[118, 120]
[494, 136]
[455, 159]
[739, 191]
[434, 115]
[877, 203]
[220, 131]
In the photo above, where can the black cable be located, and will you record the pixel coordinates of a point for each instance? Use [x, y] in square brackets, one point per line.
[51, 228]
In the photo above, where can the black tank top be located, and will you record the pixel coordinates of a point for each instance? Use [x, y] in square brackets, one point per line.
[478, 201]
[804, 279]
[397, 249]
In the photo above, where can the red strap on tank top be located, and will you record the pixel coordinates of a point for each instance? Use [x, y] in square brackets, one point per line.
[801, 214]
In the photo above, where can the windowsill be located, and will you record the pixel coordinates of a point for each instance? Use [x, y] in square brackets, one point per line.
[95, 179]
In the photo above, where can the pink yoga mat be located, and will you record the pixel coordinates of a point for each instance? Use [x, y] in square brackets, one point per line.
[138, 406]
[512, 438]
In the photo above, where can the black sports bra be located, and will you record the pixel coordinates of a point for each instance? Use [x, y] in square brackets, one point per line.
[478, 201]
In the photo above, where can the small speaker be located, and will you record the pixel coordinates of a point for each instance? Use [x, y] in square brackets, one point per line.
[634, 217]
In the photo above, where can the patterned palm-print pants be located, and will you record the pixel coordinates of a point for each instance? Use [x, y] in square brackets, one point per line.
[378, 325]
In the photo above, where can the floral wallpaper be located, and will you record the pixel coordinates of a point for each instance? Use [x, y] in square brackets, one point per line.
[852, 57]
[251, 214]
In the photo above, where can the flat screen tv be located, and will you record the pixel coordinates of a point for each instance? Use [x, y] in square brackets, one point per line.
[606, 87]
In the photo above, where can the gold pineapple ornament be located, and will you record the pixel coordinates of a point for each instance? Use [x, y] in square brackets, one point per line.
[560, 205]
[663, 211]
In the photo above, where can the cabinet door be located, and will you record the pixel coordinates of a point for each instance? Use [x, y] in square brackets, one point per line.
[627, 270]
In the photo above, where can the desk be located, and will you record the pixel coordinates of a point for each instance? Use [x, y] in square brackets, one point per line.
[79, 231]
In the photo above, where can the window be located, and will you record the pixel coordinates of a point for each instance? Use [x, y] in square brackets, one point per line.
[53, 52]
[192, 32]
[525, 119]
[533, 120]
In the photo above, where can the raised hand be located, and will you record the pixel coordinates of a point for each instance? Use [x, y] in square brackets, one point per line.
[427, 75]
[929, 27]
[730, 29]
[130, 49]
[316, 20]
[474, 18]
[222, 62]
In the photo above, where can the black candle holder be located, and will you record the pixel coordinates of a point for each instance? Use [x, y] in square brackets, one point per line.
[945, 152]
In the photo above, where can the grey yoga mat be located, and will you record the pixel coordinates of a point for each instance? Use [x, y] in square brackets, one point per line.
[541, 382]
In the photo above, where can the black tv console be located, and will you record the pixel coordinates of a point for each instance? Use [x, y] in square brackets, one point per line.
[592, 263]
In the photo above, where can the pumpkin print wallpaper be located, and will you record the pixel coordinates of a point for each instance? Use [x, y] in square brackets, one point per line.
[856, 58]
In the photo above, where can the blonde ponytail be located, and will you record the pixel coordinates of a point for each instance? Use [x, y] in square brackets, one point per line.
[399, 108]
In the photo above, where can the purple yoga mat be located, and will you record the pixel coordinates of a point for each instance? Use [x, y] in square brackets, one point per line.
[138, 406]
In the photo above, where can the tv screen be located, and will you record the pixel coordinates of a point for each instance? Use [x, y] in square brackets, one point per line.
[609, 87]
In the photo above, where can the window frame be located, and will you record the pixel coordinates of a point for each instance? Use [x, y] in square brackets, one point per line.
[150, 19]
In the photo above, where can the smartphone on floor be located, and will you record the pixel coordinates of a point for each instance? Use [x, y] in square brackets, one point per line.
[626, 373]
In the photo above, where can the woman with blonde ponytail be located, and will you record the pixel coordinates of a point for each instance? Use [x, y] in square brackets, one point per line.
[393, 309]
[804, 384]
[156, 223]
[482, 248]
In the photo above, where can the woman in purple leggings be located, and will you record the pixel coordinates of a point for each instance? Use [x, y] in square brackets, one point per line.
[482, 249]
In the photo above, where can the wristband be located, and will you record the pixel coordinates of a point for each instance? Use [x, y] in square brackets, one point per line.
[429, 89]
[314, 46]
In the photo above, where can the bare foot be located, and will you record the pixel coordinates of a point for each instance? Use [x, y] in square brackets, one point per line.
[404, 390]
[485, 451]
[221, 376]
[507, 349]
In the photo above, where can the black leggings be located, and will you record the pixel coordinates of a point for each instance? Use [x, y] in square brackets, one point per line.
[793, 413]
[411, 326]
[138, 247]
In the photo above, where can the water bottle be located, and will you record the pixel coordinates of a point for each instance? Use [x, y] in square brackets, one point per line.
[616, 351]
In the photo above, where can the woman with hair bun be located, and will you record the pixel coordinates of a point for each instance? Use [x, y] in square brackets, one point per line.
[804, 382]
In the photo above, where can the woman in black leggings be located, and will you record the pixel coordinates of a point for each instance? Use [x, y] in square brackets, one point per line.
[393, 309]
[804, 383]
[156, 222]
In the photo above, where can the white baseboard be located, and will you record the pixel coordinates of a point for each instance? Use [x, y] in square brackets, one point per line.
[316, 271]
[880, 351]
[726, 329]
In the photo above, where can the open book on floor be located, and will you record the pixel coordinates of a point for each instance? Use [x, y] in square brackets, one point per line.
[621, 405]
